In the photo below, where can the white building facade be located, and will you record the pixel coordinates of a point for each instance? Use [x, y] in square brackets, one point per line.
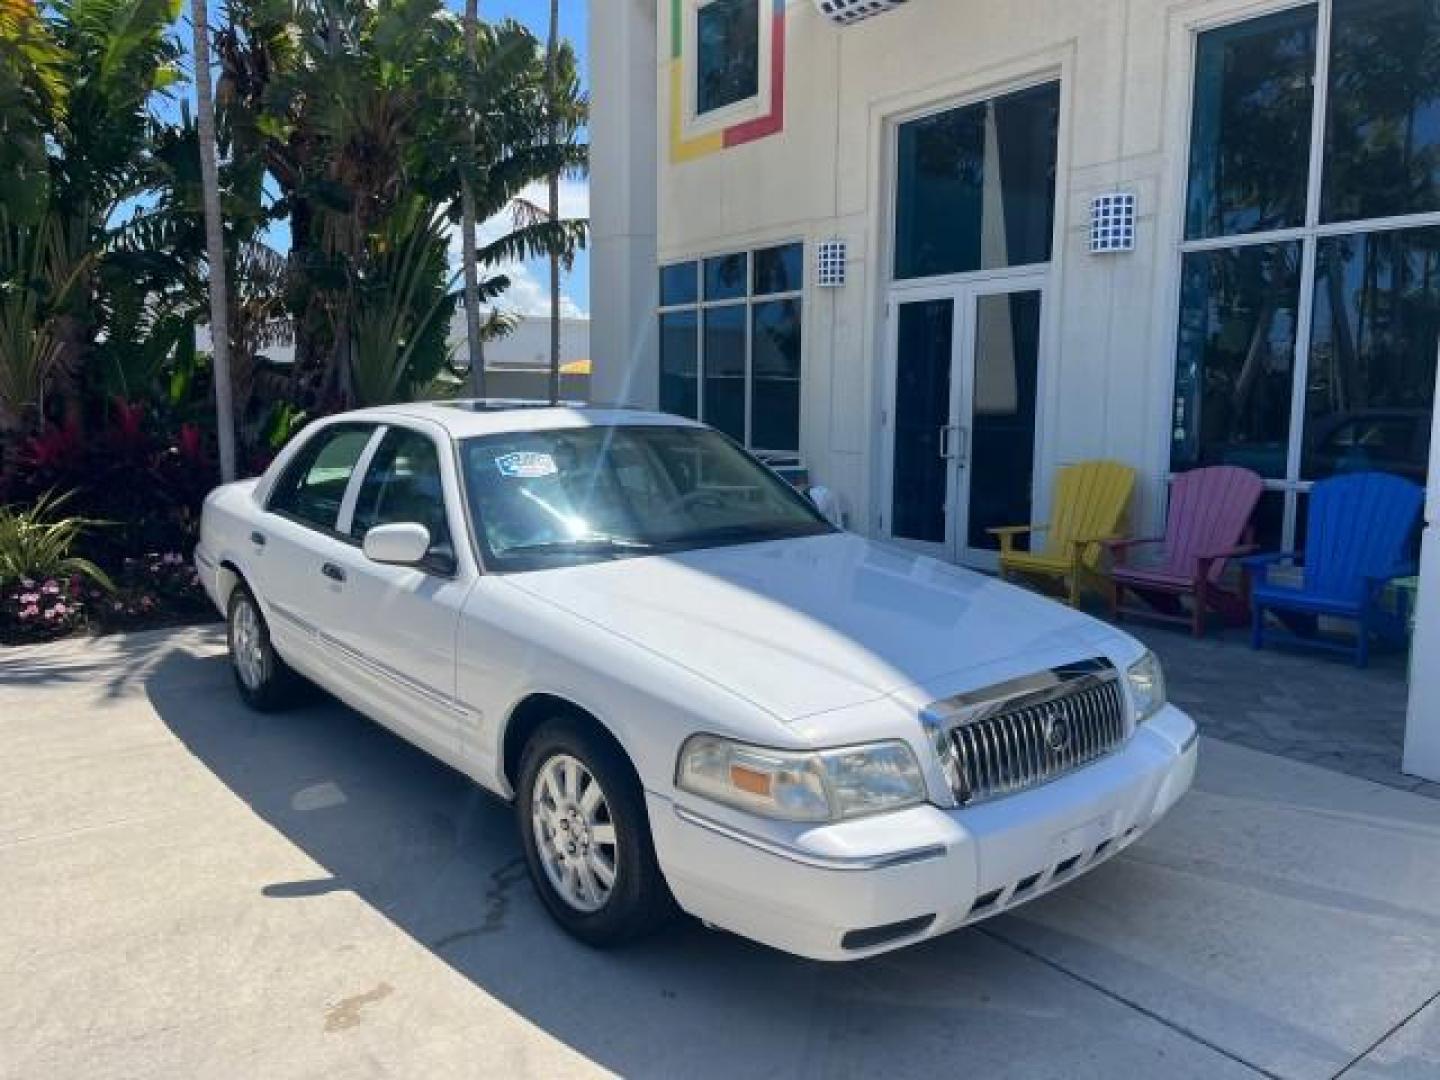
[941, 248]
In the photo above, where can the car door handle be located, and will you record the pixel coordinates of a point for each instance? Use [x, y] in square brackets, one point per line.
[333, 572]
[258, 539]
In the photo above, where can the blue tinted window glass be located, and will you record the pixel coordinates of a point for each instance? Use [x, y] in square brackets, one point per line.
[679, 284]
[1382, 134]
[1235, 370]
[725, 370]
[728, 64]
[976, 186]
[680, 363]
[779, 269]
[1250, 129]
[775, 375]
[725, 277]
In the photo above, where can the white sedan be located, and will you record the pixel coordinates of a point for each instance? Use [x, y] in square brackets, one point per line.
[693, 687]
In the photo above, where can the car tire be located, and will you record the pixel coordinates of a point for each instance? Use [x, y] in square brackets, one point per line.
[265, 681]
[566, 832]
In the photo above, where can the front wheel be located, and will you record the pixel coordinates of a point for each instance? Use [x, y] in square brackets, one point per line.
[586, 836]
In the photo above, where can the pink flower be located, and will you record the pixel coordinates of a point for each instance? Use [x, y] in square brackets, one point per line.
[50, 588]
[29, 598]
[59, 609]
[29, 612]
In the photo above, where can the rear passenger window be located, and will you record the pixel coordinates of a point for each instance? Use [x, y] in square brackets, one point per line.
[313, 487]
[403, 486]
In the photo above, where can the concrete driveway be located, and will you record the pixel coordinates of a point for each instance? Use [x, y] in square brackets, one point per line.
[194, 891]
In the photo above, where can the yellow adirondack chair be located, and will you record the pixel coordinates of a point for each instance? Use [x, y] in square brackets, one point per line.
[1091, 500]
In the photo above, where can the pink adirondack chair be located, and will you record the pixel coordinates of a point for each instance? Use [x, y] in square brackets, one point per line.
[1209, 515]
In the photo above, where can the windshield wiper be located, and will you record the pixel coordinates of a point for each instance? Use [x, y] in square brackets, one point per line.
[583, 545]
[748, 533]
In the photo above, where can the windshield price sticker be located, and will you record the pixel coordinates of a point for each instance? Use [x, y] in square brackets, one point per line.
[526, 466]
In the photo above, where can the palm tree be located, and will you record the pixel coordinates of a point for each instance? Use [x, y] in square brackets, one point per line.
[473, 332]
[214, 244]
[552, 55]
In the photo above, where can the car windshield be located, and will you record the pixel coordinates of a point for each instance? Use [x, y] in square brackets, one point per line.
[558, 497]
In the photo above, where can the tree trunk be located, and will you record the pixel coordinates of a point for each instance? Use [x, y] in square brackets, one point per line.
[214, 244]
[551, 72]
[467, 228]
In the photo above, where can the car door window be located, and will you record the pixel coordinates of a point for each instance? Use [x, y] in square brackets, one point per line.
[403, 486]
[313, 487]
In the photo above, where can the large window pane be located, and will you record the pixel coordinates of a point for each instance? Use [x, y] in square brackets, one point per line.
[779, 269]
[1382, 135]
[728, 65]
[680, 363]
[725, 370]
[725, 277]
[679, 284]
[1372, 354]
[1250, 133]
[1235, 368]
[775, 375]
[976, 186]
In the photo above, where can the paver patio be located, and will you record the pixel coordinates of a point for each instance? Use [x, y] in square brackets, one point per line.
[199, 891]
[1312, 707]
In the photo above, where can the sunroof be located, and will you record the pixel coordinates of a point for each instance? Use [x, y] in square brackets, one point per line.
[484, 405]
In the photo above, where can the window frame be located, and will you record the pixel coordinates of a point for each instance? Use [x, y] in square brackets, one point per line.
[1292, 486]
[362, 471]
[697, 123]
[747, 302]
[347, 498]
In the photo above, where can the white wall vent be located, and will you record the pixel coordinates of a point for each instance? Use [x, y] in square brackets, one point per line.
[1112, 223]
[830, 259]
[846, 12]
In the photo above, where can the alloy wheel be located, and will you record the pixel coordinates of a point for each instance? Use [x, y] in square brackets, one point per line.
[574, 833]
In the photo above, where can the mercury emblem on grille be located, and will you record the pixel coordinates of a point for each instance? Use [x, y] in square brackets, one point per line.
[1057, 732]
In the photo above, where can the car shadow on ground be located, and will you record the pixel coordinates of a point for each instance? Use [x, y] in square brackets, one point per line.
[439, 858]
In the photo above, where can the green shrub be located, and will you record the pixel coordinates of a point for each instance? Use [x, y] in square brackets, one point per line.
[36, 544]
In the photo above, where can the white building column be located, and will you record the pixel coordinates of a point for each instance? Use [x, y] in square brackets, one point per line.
[1422, 730]
[624, 141]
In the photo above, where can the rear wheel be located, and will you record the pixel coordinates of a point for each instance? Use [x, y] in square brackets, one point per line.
[264, 680]
[586, 836]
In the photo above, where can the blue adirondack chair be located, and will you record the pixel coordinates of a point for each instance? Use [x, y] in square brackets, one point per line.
[1360, 526]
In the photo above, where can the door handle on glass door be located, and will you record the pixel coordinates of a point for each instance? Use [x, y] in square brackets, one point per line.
[962, 435]
[947, 450]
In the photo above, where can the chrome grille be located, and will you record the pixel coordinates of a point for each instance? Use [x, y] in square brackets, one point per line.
[1027, 733]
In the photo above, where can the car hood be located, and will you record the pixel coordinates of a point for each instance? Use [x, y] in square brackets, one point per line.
[811, 625]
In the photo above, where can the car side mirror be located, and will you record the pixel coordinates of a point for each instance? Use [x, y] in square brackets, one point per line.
[403, 544]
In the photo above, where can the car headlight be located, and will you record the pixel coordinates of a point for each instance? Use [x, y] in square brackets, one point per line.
[1147, 686]
[822, 785]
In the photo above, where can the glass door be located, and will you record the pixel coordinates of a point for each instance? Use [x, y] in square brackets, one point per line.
[926, 331]
[964, 373]
[998, 416]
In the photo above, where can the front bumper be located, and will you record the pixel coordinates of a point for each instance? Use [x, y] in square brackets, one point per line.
[859, 888]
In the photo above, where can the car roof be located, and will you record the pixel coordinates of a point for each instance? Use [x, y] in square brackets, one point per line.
[467, 417]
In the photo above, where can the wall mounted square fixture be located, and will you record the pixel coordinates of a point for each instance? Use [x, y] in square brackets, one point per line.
[846, 12]
[830, 259]
[1112, 223]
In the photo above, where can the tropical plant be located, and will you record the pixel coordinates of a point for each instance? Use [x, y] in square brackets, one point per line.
[37, 544]
[77, 79]
[373, 121]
